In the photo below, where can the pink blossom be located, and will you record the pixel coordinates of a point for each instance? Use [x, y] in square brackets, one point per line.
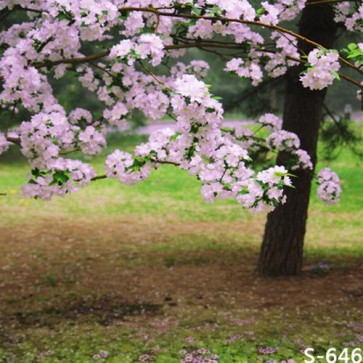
[188, 86]
[271, 121]
[133, 74]
[283, 140]
[4, 143]
[323, 68]
[64, 176]
[329, 189]
[91, 141]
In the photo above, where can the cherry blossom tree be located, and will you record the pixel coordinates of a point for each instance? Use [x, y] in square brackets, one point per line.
[136, 64]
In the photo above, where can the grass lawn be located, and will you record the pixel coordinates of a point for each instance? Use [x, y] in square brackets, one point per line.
[153, 270]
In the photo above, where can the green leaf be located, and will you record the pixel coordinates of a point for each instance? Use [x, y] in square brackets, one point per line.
[190, 152]
[124, 15]
[35, 172]
[352, 46]
[194, 129]
[336, 75]
[197, 11]
[216, 11]
[64, 15]
[260, 11]
[60, 177]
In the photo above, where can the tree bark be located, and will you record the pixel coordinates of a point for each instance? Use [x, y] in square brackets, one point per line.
[283, 241]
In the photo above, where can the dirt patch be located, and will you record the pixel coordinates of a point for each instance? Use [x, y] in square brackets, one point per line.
[106, 270]
[103, 311]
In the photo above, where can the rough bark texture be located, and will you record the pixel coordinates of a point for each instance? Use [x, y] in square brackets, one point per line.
[283, 241]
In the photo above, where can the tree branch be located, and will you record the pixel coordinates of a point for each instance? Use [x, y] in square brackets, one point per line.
[232, 20]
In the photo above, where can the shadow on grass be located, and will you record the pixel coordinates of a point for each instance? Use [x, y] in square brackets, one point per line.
[104, 311]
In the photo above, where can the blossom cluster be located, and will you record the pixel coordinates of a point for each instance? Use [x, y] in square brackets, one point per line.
[350, 14]
[146, 358]
[329, 189]
[65, 176]
[4, 143]
[249, 70]
[198, 68]
[147, 45]
[270, 121]
[101, 355]
[201, 355]
[141, 36]
[274, 64]
[277, 140]
[200, 147]
[322, 70]
[267, 350]
[46, 135]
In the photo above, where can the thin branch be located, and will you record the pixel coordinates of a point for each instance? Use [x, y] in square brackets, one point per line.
[321, 2]
[233, 20]
[97, 56]
[199, 45]
[99, 177]
[103, 70]
[158, 14]
[18, 7]
[155, 77]
[164, 162]
[351, 80]
[13, 140]
[341, 75]
[157, 23]
[86, 59]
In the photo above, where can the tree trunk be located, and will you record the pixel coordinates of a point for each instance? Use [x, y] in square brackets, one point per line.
[283, 241]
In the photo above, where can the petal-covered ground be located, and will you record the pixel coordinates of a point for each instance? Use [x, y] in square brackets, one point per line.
[126, 286]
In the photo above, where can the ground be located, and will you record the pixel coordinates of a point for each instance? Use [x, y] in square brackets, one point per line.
[153, 270]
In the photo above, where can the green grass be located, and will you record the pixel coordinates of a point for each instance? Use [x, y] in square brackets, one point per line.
[172, 194]
[169, 192]
[71, 266]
